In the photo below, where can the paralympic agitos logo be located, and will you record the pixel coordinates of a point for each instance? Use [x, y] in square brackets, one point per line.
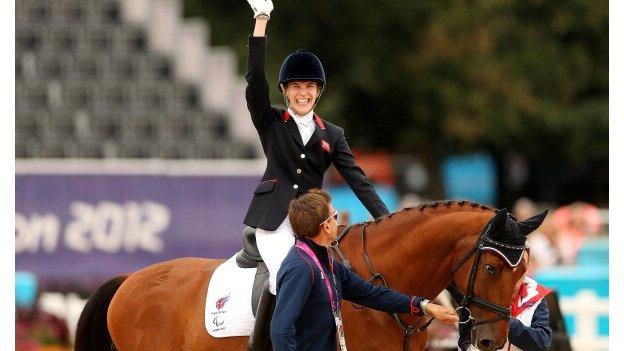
[218, 322]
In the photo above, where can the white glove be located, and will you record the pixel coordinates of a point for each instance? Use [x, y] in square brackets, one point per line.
[261, 8]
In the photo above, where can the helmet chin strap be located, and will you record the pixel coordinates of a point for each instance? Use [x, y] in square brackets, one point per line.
[287, 100]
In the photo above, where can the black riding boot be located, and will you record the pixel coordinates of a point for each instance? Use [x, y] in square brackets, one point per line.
[260, 339]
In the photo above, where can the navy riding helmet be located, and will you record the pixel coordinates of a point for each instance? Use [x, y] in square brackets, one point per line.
[301, 65]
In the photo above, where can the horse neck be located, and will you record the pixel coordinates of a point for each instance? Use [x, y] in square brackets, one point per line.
[415, 253]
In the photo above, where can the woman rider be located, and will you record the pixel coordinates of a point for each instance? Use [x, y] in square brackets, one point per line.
[298, 144]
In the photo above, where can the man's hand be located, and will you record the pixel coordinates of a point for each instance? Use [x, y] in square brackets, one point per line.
[261, 8]
[442, 313]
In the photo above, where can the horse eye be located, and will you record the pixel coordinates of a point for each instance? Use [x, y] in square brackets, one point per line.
[490, 269]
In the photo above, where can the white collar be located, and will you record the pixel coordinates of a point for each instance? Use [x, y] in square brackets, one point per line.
[305, 119]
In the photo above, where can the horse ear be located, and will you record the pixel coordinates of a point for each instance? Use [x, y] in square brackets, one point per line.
[529, 225]
[497, 228]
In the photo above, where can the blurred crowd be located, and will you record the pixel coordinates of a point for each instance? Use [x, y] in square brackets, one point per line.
[36, 330]
[563, 233]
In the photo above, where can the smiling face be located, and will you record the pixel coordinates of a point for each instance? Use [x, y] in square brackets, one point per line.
[302, 95]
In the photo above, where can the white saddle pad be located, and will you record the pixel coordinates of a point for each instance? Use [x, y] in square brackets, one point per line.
[228, 302]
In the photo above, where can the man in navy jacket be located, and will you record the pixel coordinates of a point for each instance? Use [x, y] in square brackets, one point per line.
[304, 318]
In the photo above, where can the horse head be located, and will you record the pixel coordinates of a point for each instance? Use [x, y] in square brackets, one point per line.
[485, 274]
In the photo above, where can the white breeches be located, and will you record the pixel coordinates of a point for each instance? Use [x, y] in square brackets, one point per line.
[273, 247]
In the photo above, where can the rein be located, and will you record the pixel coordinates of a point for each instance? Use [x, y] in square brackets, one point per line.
[407, 329]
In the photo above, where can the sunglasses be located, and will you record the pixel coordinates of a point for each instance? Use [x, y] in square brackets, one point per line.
[335, 215]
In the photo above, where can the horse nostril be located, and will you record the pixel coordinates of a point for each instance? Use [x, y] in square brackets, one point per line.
[486, 343]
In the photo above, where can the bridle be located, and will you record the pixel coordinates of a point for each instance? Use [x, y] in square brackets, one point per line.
[504, 313]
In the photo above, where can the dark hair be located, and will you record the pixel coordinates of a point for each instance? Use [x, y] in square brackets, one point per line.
[308, 212]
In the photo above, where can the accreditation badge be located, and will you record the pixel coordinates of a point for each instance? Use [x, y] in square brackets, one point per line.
[340, 336]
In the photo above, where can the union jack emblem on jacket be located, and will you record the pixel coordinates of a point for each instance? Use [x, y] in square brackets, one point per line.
[325, 146]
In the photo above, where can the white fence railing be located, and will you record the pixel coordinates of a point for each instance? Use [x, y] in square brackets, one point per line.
[586, 307]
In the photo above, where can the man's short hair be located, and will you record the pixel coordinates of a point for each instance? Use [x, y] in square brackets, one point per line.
[307, 212]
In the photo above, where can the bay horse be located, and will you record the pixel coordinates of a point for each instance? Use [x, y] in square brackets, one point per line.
[418, 251]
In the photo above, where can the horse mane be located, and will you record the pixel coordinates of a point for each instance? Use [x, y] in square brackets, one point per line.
[446, 205]
[436, 205]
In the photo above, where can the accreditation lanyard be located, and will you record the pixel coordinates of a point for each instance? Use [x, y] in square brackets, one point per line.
[340, 337]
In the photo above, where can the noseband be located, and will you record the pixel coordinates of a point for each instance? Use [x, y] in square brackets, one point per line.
[504, 313]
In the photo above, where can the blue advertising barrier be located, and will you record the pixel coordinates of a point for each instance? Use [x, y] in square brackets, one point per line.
[344, 200]
[470, 177]
[100, 224]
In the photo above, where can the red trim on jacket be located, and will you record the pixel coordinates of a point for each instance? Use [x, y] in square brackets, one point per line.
[319, 121]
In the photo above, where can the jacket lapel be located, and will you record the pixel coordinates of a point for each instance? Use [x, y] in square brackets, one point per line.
[319, 132]
[291, 125]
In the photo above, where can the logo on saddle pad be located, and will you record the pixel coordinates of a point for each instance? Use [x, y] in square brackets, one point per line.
[218, 321]
[228, 308]
[221, 302]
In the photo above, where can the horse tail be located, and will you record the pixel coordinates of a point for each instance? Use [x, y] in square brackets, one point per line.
[92, 332]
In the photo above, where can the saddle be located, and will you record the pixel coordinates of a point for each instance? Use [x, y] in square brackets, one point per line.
[249, 257]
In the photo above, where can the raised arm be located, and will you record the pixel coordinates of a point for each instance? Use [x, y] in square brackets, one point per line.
[260, 28]
[257, 92]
